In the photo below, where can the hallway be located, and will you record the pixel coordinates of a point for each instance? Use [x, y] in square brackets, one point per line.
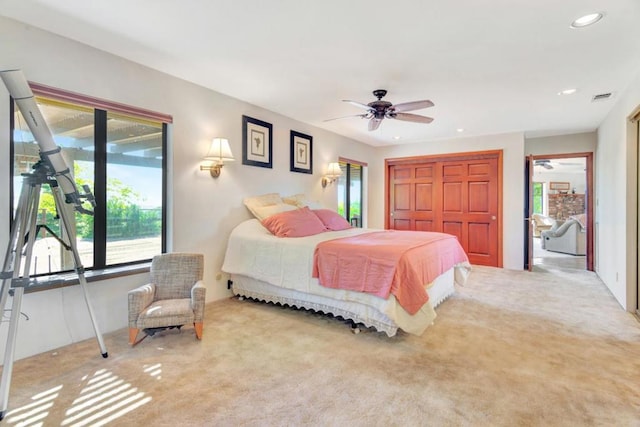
[544, 260]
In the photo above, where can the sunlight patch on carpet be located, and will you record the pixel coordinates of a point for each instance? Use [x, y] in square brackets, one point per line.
[32, 413]
[104, 398]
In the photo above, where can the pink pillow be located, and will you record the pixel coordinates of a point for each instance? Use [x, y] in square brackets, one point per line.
[297, 223]
[332, 220]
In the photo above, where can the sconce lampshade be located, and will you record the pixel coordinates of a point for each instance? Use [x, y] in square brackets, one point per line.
[218, 154]
[333, 170]
[219, 151]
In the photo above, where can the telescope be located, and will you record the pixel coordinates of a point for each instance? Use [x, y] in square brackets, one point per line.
[51, 170]
[50, 153]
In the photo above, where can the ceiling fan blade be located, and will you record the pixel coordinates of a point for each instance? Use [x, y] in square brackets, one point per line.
[545, 163]
[358, 104]
[344, 117]
[374, 123]
[410, 106]
[407, 117]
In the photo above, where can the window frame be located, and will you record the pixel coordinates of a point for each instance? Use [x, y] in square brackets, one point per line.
[101, 110]
[349, 163]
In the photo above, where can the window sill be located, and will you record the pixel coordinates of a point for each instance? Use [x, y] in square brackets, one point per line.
[62, 280]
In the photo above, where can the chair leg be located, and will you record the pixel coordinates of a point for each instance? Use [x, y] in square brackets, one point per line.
[133, 333]
[198, 327]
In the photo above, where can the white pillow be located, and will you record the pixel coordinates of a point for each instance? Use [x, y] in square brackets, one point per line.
[301, 200]
[260, 201]
[262, 212]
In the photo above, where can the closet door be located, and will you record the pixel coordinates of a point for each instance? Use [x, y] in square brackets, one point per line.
[457, 195]
[470, 207]
[412, 197]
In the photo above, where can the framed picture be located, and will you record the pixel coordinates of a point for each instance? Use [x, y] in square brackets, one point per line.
[257, 142]
[301, 153]
[559, 186]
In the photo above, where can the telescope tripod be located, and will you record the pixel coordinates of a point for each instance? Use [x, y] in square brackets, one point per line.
[15, 273]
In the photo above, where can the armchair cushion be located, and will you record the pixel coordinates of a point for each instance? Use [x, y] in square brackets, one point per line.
[174, 274]
[165, 313]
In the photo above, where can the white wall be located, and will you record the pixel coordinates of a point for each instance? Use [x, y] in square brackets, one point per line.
[512, 183]
[616, 199]
[561, 144]
[203, 209]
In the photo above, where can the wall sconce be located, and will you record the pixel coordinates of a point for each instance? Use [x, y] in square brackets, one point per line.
[217, 155]
[333, 173]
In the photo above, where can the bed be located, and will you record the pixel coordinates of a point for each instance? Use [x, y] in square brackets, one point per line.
[265, 267]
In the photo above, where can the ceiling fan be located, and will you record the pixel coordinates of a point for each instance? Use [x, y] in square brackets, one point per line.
[545, 163]
[379, 110]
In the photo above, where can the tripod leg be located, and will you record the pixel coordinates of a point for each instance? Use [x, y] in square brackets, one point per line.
[11, 265]
[85, 291]
[25, 214]
[9, 350]
[78, 263]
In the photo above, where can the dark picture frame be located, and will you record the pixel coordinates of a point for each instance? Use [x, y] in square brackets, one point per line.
[301, 153]
[257, 142]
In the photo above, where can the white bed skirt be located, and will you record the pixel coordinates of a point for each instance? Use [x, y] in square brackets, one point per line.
[377, 313]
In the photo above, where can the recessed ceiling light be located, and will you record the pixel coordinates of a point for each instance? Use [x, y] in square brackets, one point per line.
[396, 138]
[586, 20]
[460, 130]
[568, 91]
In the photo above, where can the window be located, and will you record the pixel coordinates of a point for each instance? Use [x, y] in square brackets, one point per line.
[538, 199]
[134, 189]
[350, 191]
[120, 155]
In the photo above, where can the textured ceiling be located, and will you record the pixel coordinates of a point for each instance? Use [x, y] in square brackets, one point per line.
[489, 67]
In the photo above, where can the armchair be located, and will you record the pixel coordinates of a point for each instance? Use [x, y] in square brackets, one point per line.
[174, 297]
[568, 237]
[541, 223]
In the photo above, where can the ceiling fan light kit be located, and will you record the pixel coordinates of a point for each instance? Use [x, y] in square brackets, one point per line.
[379, 110]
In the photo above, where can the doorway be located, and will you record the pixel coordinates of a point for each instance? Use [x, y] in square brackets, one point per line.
[560, 212]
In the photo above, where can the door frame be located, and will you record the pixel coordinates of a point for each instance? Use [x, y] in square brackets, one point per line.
[589, 198]
[528, 213]
[388, 163]
[633, 213]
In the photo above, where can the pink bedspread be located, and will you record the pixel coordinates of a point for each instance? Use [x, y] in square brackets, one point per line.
[388, 262]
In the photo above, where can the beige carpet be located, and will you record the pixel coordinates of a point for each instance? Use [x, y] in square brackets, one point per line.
[510, 348]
